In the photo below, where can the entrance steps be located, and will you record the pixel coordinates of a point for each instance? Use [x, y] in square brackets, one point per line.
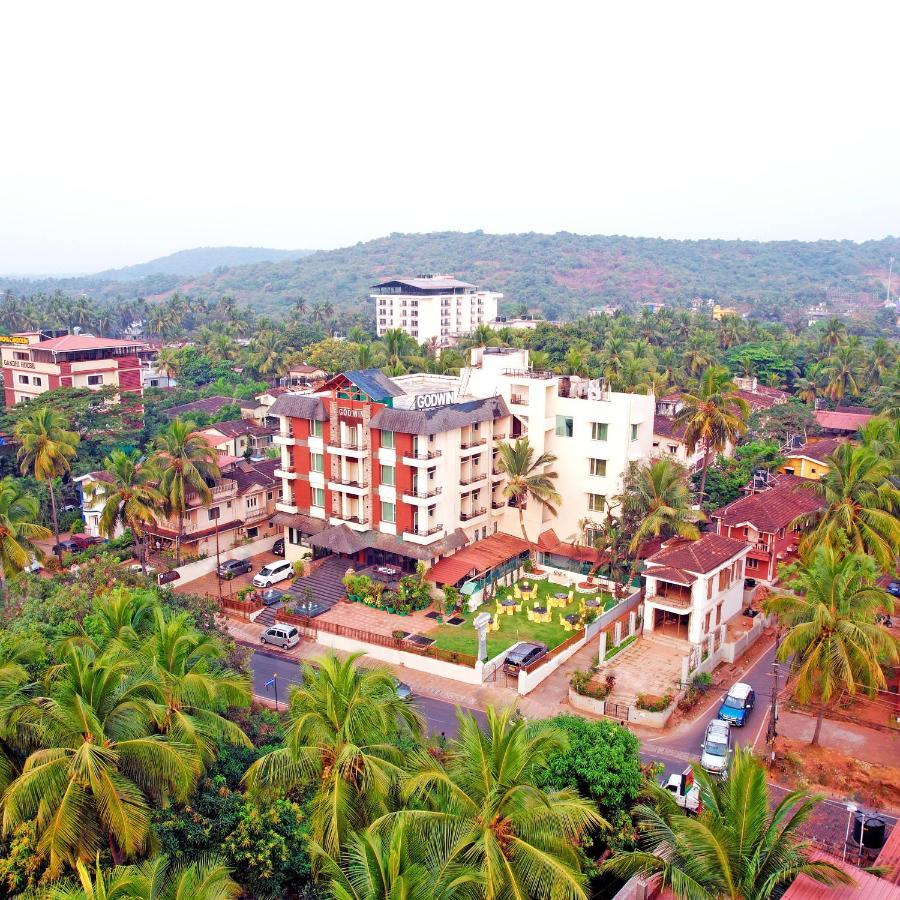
[667, 640]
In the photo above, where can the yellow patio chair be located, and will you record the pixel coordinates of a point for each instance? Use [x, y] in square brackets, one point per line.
[517, 607]
[516, 592]
[495, 623]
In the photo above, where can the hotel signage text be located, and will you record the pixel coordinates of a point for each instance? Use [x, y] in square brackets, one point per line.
[438, 398]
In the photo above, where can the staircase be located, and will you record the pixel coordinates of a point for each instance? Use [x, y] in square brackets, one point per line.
[324, 583]
[267, 616]
[669, 641]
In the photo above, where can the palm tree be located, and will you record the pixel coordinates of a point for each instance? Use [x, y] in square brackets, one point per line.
[18, 530]
[394, 864]
[527, 478]
[712, 417]
[267, 353]
[122, 616]
[100, 769]
[696, 359]
[841, 370]
[156, 879]
[484, 804]
[833, 640]
[657, 498]
[539, 360]
[342, 724]
[860, 506]
[46, 449]
[738, 847]
[187, 464]
[167, 362]
[195, 688]
[834, 334]
[129, 497]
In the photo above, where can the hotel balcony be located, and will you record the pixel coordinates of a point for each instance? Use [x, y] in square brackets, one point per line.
[348, 485]
[357, 523]
[518, 399]
[290, 472]
[289, 508]
[284, 440]
[498, 504]
[472, 478]
[424, 535]
[420, 458]
[356, 449]
[422, 495]
[472, 442]
[466, 515]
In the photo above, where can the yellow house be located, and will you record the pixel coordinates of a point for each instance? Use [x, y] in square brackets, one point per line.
[719, 312]
[810, 461]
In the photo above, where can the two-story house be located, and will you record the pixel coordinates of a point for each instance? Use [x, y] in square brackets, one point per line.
[764, 517]
[239, 437]
[692, 587]
[811, 460]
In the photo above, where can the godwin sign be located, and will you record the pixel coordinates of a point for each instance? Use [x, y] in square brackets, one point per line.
[438, 398]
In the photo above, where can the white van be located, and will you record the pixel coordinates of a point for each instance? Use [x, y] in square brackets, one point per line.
[272, 573]
[282, 635]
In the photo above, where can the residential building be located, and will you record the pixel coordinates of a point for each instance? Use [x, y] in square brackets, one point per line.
[432, 308]
[239, 437]
[389, 470]
[33, 364]
[303, 375]
[518, 323]
[844, 420]
[764, 516]
[810, 461]
[757, 395]
[608, 310]
[211, 406]
[719, 312]
[594, 433]
[692, 587]
[668, 438]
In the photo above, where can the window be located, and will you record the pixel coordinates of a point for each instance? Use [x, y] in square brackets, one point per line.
[316, 462]
[387, 475]
[253, 502]
[598, 468]
[318, 497]
[564, 426]
[752, 564]
[213, 513]
[388, 512]
[709, 589]
[596, 502]
[387, 439]
[724, 579]
[20, 354]
[634, 432]
[36, 380]
[315, 428]
[24, 379]
[95, 379]
[269, 495]
[599, 431]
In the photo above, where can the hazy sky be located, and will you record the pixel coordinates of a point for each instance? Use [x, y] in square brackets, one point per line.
[130, 130]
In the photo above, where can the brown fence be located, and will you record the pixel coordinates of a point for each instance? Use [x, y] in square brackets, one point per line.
[240, 609]
[310, 626]
[568, 642]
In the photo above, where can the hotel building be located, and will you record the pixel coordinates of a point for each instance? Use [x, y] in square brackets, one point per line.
[434, 308]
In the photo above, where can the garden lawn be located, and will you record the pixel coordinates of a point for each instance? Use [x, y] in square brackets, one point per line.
[514, 628]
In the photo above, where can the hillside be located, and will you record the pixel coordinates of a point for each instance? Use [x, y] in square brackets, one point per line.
[559, 275]
[190, 263]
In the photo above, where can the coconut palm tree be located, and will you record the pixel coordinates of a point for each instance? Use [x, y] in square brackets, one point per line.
[841, 371]
[483, 803]
[19, 716]
[527, 478]
[46, 449]
[267, 353]
[340, 737]
[712, 417]
[128, 496]
[100, 769]
[738, 847]
[18, 530]
[657, 498]
[156, 879]
[167, 362]
[860, 506]
[186, 463]
[833, 640]
[881, 359]
[834, 333]
[393, 863]
[195, 687]
[122, 616]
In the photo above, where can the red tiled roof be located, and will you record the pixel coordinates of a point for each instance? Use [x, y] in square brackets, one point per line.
[478, 557]
[73, 342]
[701, 556]
[757, 400]
[665, 427]
[817, 450]
[668, 573]
[841, 421]
[889, 856]
[774, 508]
[867, 886]
[549, 542]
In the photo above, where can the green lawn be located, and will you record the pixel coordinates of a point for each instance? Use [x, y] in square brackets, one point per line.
[464, 638]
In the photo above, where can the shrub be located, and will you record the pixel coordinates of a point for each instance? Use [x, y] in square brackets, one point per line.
[581, 683]
[622, 645]
[653, 702]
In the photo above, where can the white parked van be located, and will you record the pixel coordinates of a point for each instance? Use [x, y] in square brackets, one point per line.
[281, 635]
[273, 573]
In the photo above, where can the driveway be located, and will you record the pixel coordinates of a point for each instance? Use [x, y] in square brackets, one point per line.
[209, 584]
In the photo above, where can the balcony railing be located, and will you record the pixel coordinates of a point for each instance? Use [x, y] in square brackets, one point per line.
[349, 482]
[434, 529]
[529, 373]
[356, 520]
[674, 602]
[518, 399]
[761, 545]
[471, 479]
[424, 494]
[423, 454]
[472, 513]
[348, 445]
[474, 442]
[498, 504]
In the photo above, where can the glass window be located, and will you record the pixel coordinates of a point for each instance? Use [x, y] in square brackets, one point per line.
[634, 432]
[95, 379]
[387, 474]
[599, 431]
[315, 428]
[596, 502]
[318, 497]
[598, 467]
[388, 512]
[387, 439]
[24, 379]
[564, 426]
[316, 462]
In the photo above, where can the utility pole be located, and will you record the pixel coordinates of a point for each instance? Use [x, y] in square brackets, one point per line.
[773, 711]
[890, 274]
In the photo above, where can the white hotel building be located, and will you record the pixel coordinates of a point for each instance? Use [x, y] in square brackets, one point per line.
[432, 307]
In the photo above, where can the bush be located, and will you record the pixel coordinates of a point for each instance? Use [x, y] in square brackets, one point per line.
[653, 702]
[622, 645]
[581, 683]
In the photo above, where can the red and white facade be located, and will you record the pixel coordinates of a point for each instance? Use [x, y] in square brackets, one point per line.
[32, 366]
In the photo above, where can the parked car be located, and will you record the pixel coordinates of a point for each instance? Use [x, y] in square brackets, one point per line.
[684, 790]
[278, 547]
[404, 691]
[167, 577]
[283, 635]
[233, 567]
[894, 588]
[715, 751]
[272, 573]
[737, 704]
[83, 541]
[67, 546]
[271, 596]
[523, 655]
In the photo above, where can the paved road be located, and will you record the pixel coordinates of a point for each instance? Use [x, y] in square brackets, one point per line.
[439, 715]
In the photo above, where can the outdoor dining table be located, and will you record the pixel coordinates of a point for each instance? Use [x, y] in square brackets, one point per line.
[509, 606]
[560, 599]
[540, 614]
[592, 604]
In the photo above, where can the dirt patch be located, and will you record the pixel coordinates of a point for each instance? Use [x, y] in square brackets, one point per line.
[826, 770]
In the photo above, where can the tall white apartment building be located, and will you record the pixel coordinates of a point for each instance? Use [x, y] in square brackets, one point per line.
[432, 307]
[593, 432]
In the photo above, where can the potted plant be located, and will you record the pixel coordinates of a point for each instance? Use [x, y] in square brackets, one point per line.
[398, 635]
[351, 583]
[451, 600]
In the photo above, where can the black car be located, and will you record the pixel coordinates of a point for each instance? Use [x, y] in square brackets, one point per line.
[894, 588]
[233, 567]
[271, 596]
[66, 547]
[523, 655]
[278, 547]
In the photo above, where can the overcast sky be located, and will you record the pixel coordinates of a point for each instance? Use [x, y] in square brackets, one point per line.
[130, 130]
